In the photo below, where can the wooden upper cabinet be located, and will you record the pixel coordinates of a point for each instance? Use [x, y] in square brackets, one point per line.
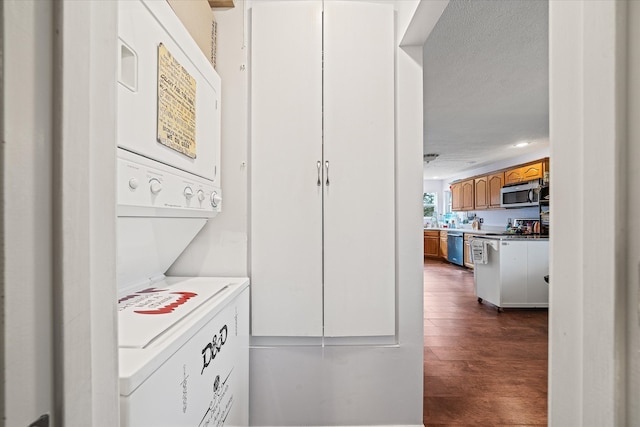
[495, 182]
[524, 173]
[462, 196]
[456, 196]
[481, 193]
[467, 195]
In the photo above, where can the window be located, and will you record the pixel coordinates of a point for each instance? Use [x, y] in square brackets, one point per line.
[447, 202]
[429, 201]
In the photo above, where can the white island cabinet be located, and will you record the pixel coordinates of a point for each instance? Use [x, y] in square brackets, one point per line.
[322, 169]
[513, 275]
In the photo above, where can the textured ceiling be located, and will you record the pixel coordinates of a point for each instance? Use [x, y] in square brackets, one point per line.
[486, 83]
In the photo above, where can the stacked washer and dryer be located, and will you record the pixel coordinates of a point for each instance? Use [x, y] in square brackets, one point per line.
[183, 341]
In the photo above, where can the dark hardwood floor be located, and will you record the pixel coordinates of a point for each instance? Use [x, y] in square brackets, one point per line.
[481, 367]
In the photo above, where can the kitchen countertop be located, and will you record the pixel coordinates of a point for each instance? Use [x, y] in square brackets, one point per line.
[495, 234]
[513, 236]
[464, 230]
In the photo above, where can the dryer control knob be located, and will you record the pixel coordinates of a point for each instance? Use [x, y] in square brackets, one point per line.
[215, 199]
[188, 192]
[133, 183]
[200, 195]
[155, 186]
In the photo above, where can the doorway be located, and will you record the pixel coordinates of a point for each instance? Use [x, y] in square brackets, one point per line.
[486, 91]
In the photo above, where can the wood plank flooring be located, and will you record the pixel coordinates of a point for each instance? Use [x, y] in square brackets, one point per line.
[481, 367]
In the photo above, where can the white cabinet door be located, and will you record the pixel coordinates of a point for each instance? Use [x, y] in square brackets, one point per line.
[513, 273]
[286, 146]
[537, 268]
[340, 217]
[359, 243]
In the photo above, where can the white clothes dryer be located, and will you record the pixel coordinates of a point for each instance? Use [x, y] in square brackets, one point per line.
[168, 92]
[183, 355]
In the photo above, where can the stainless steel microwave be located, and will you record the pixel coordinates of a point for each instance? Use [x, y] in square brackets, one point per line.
[520, 195]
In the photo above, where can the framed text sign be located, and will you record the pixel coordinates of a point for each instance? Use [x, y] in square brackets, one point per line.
[176, 105]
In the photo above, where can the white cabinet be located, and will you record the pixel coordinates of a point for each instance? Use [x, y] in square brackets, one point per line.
[322, 169]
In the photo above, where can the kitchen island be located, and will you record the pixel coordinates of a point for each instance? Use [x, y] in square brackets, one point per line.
[510, 269]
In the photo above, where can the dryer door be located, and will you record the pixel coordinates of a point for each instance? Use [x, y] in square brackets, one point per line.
[168, 92]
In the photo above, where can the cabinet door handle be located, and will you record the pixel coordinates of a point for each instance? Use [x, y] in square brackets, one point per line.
[326, 165]
[319, 183]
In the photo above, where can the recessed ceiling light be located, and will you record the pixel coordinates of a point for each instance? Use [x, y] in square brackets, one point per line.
[521, 144]
[435, 177]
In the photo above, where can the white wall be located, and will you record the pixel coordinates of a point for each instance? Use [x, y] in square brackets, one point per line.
[499, 217]
[363, 385]
[587, 367]
[632, 225]
[432, 186]
[85, 299]
[220, 249]
[27, 389]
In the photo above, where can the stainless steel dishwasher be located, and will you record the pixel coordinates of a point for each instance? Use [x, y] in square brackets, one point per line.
[455, 247]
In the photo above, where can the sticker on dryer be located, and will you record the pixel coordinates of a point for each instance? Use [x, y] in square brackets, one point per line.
[220, 404]
[154, 301]
[176, 104]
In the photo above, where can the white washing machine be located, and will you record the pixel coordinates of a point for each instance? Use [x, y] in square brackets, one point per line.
[183, 341]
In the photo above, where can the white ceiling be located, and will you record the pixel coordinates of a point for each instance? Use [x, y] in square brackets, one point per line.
[486, 84]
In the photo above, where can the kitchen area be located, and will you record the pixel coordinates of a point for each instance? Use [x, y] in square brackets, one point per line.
[486, 200]
[486, 130]
[462, 237]
[486, 296]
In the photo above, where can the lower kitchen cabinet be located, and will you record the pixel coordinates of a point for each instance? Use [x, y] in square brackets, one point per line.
[468, 262]
[444, 246]
[431, 243]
